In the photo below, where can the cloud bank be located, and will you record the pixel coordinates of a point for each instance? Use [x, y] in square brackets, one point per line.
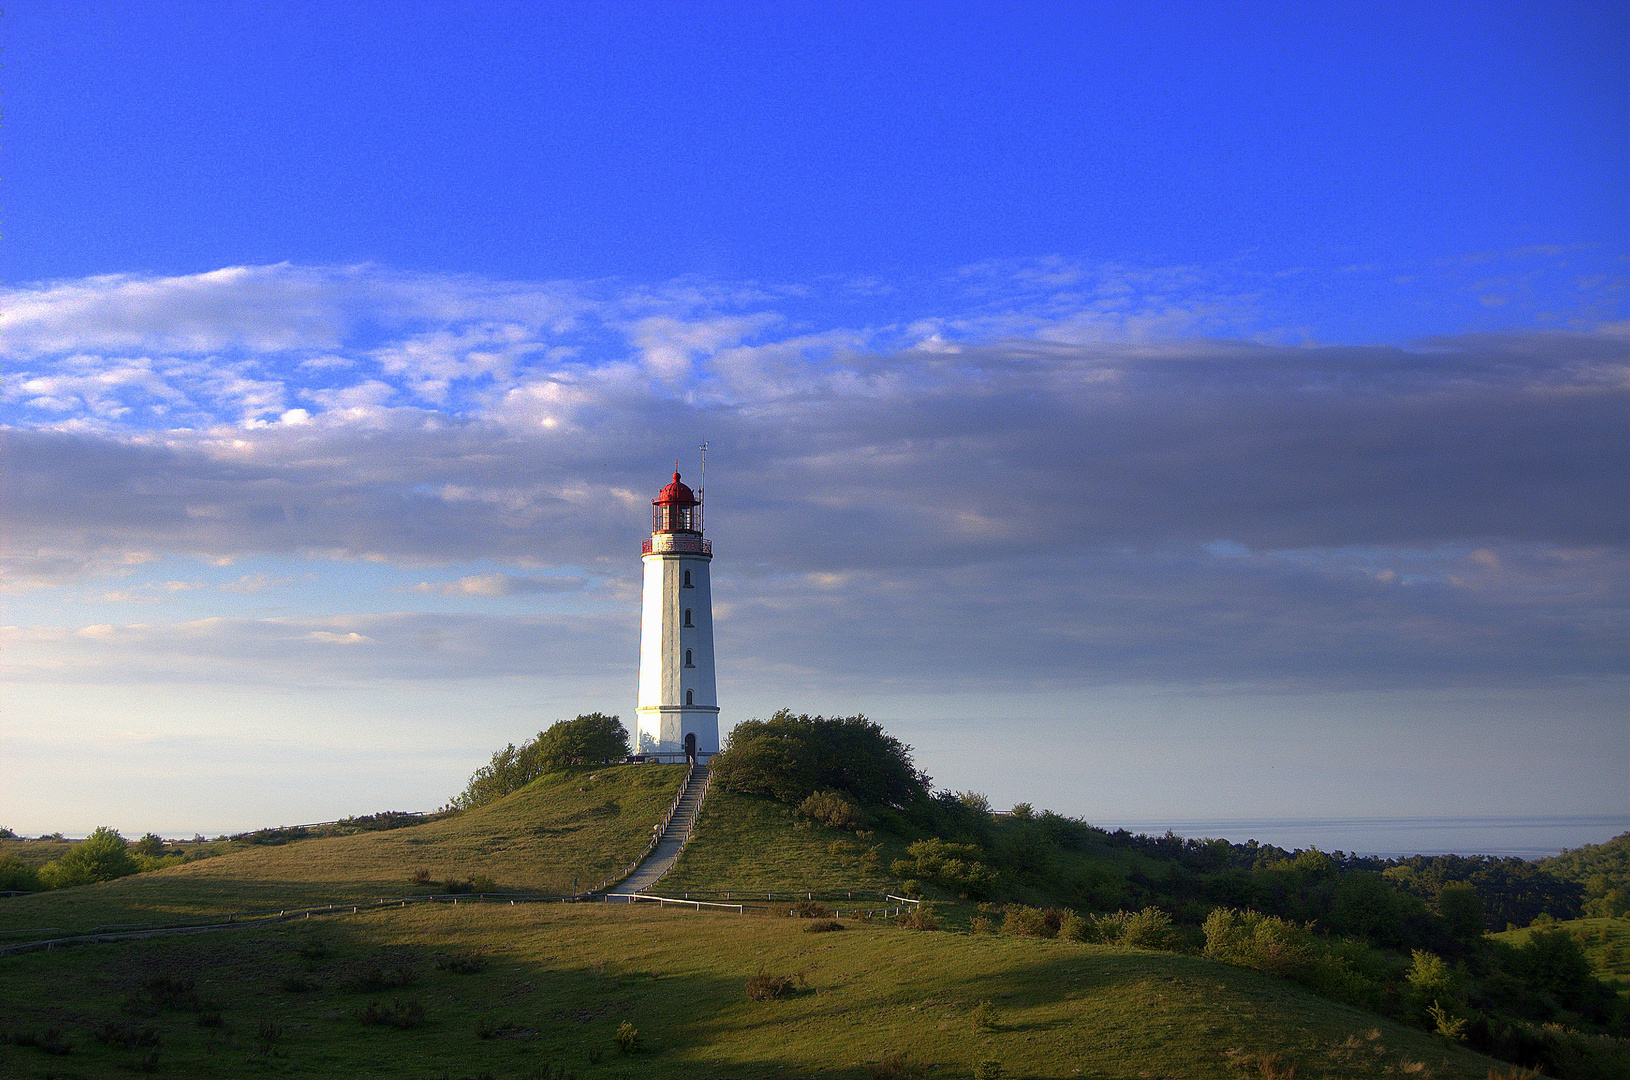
[1044, 476]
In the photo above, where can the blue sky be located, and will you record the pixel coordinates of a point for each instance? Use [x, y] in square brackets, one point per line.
[1148, 412]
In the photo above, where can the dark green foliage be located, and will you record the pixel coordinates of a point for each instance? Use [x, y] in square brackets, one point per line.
[1611, 861]
[16, 876]
[957, 868]
[126, 1036]
[628, 1038]
[789, 758]
[163, 993]
[762, 987]
[400, 1014]
[897, 1067]
[462, 963]
[590, 739]
[1460, 906]
[1513, 890]
[49, 1041]
[822, 926]
[150, 844]
[383, 978]
[102, 856]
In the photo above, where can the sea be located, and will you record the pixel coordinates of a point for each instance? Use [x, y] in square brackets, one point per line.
[1401, 837]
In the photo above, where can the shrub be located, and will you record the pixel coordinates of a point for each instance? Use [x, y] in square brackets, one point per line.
[762, 987]
[381, 978]
[400, 1014]
[102, 856]
[628, 1038]
[980, 924]
[269, 1032]
[822, 926]
[918, 918]
[1264, 942]
[462, 963]
[989, 1069]
[590, 739]
[832, 809]
[790, 757]
[1022, 921]
[150, 844]
[974, 800]
[811, 909]
[50, 1041]
[126, 1038]
[896, 1067]
[1073, 927]
[985, 1017]
[955, 867]
[163, 992]
[17, 876]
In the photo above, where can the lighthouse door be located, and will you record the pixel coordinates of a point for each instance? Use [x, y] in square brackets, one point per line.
[690, 747]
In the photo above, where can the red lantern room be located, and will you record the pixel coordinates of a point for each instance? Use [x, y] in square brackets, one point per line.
[676, 509]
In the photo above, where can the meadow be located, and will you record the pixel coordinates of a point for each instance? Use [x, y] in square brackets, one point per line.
[536, 990]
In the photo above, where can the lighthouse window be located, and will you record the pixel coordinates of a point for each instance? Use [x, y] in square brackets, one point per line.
[687, 659]
[689, 700]
[687, 579]
[687, 618]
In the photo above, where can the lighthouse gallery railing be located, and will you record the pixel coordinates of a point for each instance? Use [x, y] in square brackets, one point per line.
[677, 542]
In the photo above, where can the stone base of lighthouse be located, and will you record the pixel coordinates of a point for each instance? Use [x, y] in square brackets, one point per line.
[666, 729]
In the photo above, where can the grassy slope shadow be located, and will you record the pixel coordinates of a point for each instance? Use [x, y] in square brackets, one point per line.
[579, 825]
[554, 982]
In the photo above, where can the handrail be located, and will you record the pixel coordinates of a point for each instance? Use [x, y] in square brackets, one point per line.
[657, 832]
[633, 897]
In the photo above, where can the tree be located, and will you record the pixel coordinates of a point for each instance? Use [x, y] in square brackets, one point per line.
[588, 740]
[102, 856]
[151, 844]
[591, 739]
[789, 757]
[1461, 907]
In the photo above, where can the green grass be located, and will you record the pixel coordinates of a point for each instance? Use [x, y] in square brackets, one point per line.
[1606, 943]
[744, 843]
[582, 825]
[559, 979]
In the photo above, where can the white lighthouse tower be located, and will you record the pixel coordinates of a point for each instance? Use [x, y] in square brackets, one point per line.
[678, 709]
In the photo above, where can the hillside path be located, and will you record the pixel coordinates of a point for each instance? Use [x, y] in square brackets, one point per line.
[666, 853]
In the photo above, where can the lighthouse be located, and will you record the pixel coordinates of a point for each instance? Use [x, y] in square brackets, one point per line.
[678, 709]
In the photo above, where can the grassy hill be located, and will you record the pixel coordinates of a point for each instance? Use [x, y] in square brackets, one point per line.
[1606, 943]
[521, 991]
[528, 990]
[580, 825]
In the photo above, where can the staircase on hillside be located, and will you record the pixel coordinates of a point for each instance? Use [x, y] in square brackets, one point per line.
[666, 852]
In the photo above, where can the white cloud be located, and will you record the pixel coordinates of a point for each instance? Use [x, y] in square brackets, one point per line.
[491, 585]
[1046, 415]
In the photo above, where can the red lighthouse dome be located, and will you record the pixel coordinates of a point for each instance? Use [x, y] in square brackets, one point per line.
[676, 509]
[675, 494]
